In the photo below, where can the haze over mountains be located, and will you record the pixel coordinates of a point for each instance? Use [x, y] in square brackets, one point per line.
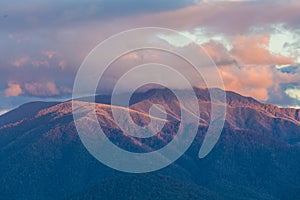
[257, 156]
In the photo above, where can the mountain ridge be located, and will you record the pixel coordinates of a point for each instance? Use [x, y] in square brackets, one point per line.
[233, 100]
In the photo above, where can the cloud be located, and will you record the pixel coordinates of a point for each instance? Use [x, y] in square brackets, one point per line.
[249, 68]
[293, 93]
[42, 89]
[285, 94]
[285, 41]
[40, 63]
[50, 54]
[251, 50]
[246, 49]
[29, 14]
[14, 89]
[20, 62]
[247, 64]
[219, 53]
[62, 64]
[288, 69]
[248, 80]
[226, 17]
[239, 36]
[263, 82]
[223, 16]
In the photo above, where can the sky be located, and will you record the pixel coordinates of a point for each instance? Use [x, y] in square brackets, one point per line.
[255, 44]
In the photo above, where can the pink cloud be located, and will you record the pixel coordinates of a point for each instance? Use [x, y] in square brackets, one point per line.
[225, 17]
[20, 62]
[253, 50]
[50, 54]
[62, 64]
[42, 89]
[249, 81]
[13, 90]
[218, 53]
[247, 67]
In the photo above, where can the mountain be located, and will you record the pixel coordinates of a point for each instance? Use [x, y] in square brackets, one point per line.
[256, 157]
[145, 186]
[28, 110]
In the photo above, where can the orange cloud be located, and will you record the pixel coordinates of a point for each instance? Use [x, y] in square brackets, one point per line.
[247, 67]
[249, 50]
[13, 90]
[42, 89]
[20, 62]
[249, 81]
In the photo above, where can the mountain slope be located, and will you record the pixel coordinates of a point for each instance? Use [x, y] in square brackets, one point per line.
[145, 186]
[257, 156]
[26, 110]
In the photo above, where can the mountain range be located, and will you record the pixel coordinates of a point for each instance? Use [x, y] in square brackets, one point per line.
[256, 157]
